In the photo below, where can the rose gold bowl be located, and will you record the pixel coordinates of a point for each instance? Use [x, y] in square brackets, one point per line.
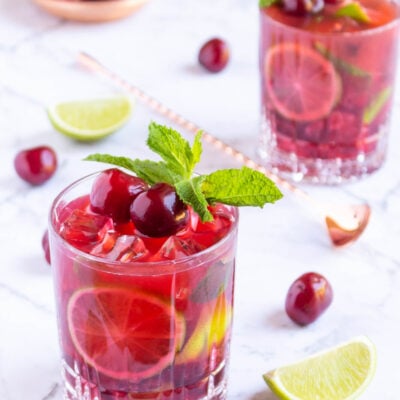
[91, 11]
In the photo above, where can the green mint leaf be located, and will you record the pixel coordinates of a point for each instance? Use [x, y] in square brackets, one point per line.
[355, 11]
[190, 192]
[340, 63]
[376, 105]
[150, 171]
[266, 3]
[240, 187]
[124, 162]
[174, 149]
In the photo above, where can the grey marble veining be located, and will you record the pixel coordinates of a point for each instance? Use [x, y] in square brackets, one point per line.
[156, 49]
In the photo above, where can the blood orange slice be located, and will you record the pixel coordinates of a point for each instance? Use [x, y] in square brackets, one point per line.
[301, 84]
[124, 334]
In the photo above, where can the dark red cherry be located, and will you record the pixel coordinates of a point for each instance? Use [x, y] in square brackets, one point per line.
[36, 165]
[159, 211]
[303, 7]
[214, 55]
[113, 192]
[308, 297]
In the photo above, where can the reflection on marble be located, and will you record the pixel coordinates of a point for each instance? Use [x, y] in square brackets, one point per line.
[156, 49]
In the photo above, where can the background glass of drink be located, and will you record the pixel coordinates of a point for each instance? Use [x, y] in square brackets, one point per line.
[135, 329]
[327, 85]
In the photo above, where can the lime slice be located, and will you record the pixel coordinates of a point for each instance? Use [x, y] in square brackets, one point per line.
[124, 334]
[89, 120]
[301, 84]
[339, 373]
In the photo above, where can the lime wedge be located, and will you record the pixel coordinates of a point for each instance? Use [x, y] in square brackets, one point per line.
[89, 120]
[339, 373]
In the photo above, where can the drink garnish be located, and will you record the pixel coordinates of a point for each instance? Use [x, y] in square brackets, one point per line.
[340, 63]
[236, 187]
[376, 105]
[355, 11]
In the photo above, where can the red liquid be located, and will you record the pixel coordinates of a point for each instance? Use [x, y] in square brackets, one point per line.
[146, 318]
[327, 87]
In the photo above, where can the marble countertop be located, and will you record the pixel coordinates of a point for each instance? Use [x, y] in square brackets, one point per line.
[157, 50]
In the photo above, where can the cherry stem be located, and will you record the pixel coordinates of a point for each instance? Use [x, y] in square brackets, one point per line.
[345, 223]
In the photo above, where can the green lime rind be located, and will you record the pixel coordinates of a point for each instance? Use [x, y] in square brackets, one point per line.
[90, 120]
[374, 108]
[355, 11]
[340, 373]
[339, 63]
[266, 3]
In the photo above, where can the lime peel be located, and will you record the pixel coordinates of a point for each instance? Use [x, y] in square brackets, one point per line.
[339, 373]
[90, 120]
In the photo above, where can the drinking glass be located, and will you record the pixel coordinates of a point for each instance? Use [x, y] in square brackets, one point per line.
[326, 99]
[140, 330]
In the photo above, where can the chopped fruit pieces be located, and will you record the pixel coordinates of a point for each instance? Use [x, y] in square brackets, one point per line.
[36, 165]
[308, 297]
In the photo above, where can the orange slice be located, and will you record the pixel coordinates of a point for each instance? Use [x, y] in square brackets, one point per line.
[124, 334]
[301, 84]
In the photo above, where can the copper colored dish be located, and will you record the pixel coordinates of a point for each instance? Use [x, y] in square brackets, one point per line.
[91, 11]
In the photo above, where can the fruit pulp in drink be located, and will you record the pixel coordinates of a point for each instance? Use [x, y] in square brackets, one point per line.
[142, 317]
[327, 82]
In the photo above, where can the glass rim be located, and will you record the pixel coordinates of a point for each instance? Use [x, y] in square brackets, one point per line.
[137, 267]
[365, 32]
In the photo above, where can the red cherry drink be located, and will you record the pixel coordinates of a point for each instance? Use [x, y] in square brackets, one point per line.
[327, 84]
[141, 317]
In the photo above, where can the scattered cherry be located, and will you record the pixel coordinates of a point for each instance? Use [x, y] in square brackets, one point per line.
[113, 192]
[159, 211]
[36, 165]
[214, 55]
[308, 297]
[46, 246]
[303, 7]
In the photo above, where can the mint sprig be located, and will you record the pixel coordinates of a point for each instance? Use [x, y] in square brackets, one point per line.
[237, 187]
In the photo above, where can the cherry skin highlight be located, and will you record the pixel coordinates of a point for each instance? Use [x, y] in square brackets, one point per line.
[159, 211]
[36, 165]
[214, 55]
[308, 297]
[113, 192]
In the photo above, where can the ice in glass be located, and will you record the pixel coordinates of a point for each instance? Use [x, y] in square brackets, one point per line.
[141, 317]
[327, 83]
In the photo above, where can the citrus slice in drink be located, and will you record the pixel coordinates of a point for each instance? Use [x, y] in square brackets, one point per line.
[339, 373]
[89, 120]
[301, 84]
[124, 334]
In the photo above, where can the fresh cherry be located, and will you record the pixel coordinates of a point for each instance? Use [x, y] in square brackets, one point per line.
[303, 7]
[113, 192]
[214, 55]
[36, 165]
[159, 211]
[308, 297]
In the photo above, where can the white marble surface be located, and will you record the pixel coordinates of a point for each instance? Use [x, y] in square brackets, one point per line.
[156, 49]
